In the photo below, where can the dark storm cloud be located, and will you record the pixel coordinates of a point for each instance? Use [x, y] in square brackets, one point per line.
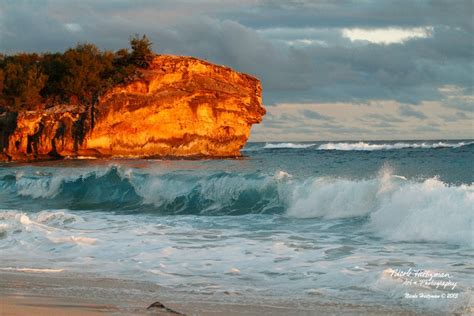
[296, 48]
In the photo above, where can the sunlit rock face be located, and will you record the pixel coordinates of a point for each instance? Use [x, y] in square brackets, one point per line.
[182, 107]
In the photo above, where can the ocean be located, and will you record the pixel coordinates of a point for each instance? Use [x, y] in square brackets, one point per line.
[368, 223]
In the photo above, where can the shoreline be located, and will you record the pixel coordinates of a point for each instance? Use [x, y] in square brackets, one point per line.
[34, 160]
[60, 293]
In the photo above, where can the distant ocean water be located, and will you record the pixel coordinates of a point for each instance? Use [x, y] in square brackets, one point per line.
[325, 221]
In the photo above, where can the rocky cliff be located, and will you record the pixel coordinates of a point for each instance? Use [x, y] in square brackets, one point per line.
[182, 107]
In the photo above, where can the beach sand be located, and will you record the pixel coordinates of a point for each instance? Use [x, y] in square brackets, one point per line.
[59, 293]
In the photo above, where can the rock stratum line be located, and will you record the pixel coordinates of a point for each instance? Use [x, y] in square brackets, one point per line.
[181, 107]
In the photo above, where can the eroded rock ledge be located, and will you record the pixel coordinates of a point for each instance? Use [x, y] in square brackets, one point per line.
[183, 107]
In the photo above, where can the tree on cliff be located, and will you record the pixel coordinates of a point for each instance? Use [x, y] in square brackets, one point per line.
[2, 101]
[79, 74]
[123, 70]
[33, 82]
[2, 77]
[125, 63]
[85, 65]
[56, 69]
[142, 54]
[23, 81]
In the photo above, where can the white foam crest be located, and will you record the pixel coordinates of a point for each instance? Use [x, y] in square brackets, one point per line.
[39, 186]
[78, 240]
[287, 145]
[219, 190]
[58, 218]
[45, 185]
[45, 223]
[398, 209]
[41, 226]
[4, 229]
[6, 215]
[228, 188]
[370, 146]
[280, 175]
[160, 273]
[333, 198]
[18, 219]
[427, 211]
[33, 270]
[156, 190]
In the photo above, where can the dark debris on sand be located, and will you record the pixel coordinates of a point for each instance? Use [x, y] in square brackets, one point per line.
[158, 307]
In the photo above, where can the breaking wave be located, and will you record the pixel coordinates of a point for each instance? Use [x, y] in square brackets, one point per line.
[395, 208]
[287, 145]
[401, 145]
[391, 206]
[47, 227]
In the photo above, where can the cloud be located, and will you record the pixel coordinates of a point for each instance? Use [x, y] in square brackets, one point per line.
[355, 14]
[427, 128]
[458, 97]
[377, 120]
[73, 27]
[313, 115]
[298, 48]
[386, 35]
[382, 118]
[408, 111]
[304, 52]
[458, 116]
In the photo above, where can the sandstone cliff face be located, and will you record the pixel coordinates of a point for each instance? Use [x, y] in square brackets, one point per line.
[182, 107]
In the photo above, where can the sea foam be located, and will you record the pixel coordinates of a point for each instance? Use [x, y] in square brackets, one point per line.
[392, 146]
[287, 145]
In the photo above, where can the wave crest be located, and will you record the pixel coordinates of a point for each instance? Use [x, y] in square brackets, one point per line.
[396, 208]
[287, 145]
[391, 205]
[401, 145]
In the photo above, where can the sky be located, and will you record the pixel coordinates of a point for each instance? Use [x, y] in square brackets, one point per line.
[330, 70]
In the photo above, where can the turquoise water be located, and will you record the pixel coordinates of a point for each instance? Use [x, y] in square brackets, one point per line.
[328, 222]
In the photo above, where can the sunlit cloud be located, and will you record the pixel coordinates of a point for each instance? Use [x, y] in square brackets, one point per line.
[387, 35]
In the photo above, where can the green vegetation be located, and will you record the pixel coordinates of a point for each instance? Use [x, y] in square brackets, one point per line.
[79, 75]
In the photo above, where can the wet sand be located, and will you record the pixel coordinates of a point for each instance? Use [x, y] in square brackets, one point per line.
[27, 293]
